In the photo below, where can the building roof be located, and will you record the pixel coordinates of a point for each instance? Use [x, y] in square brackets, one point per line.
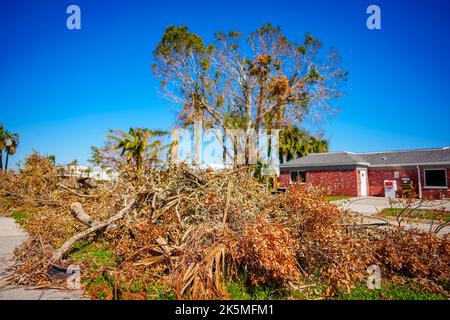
[332, 158]
[373, 159]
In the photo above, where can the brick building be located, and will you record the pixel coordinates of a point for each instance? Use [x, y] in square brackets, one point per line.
[363, 174]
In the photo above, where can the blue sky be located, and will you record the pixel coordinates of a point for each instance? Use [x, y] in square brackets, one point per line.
[62, 90]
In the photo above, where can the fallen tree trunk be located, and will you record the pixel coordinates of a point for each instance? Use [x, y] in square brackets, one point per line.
[64, 249]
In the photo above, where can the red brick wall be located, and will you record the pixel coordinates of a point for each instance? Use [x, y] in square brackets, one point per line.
[377, 177]
[338, 182]
[346, 182]
[285, 178]
[435, 193]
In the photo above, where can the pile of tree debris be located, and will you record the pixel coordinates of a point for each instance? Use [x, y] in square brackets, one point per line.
[192, 232]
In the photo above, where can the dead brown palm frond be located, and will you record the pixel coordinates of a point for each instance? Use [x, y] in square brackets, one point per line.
[203, 279]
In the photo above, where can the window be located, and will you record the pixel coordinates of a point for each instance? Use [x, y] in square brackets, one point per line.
[435, 178]
[295, 175]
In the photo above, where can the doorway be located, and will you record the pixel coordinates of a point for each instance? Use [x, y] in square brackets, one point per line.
[363, 182]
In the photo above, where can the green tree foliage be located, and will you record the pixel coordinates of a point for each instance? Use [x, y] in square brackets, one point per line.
[51, 158]
[8, 143]
[138, 145]
[295, 142]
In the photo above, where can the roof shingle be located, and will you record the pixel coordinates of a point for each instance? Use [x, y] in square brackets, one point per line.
[405, 157]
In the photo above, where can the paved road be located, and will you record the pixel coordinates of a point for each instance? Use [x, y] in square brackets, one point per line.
[11, 236]
[372, 205]
[369, 207]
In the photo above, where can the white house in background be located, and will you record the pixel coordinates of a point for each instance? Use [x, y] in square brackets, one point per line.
[97, 173]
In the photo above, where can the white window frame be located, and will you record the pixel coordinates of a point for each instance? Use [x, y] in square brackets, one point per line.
[425, 186]
[298, 171]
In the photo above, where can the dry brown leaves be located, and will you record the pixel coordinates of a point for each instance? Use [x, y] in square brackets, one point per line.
[267, 253]
[415, 254]
[34, 263]
[322, 244]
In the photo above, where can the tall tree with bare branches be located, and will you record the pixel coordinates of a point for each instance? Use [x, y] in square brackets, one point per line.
[262, 81]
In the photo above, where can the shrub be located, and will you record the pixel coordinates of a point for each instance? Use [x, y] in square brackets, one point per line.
[323, 246]
[266, 252]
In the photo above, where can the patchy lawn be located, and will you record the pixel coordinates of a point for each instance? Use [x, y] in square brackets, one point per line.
[430, 214]
[334, 198]
[389, 291]
[21, 216]
[98, 255]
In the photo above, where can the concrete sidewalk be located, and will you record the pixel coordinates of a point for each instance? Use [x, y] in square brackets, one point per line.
[370, 207]
[374, 205]
[11, 236]
[408, 224]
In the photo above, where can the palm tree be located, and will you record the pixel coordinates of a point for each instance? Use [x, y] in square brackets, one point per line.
[71, 164]
[2, 144]
[137, 146]
[295, 142]
[11, 143]
[51, 158]
[318, 145]
[8, 143]
[292, 143]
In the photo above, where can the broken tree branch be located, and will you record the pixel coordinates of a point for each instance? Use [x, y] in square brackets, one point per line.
[59, 254]
[75, 192]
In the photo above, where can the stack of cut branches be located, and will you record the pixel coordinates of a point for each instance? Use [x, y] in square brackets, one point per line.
[193, 232]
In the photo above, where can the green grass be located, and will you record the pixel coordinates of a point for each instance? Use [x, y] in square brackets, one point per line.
[97, 254]
[388, 291]
[334, 198]
[21, 216]
[136, 286]
[101, 286]
[430, 214]
[156, 291]
[238, 291]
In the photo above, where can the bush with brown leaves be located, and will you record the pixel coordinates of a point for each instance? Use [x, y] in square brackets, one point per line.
[322, 244]
[415, 253]
[266, 253]
[37, 179]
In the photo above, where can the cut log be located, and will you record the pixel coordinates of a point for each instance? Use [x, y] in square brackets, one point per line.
[78, 211]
